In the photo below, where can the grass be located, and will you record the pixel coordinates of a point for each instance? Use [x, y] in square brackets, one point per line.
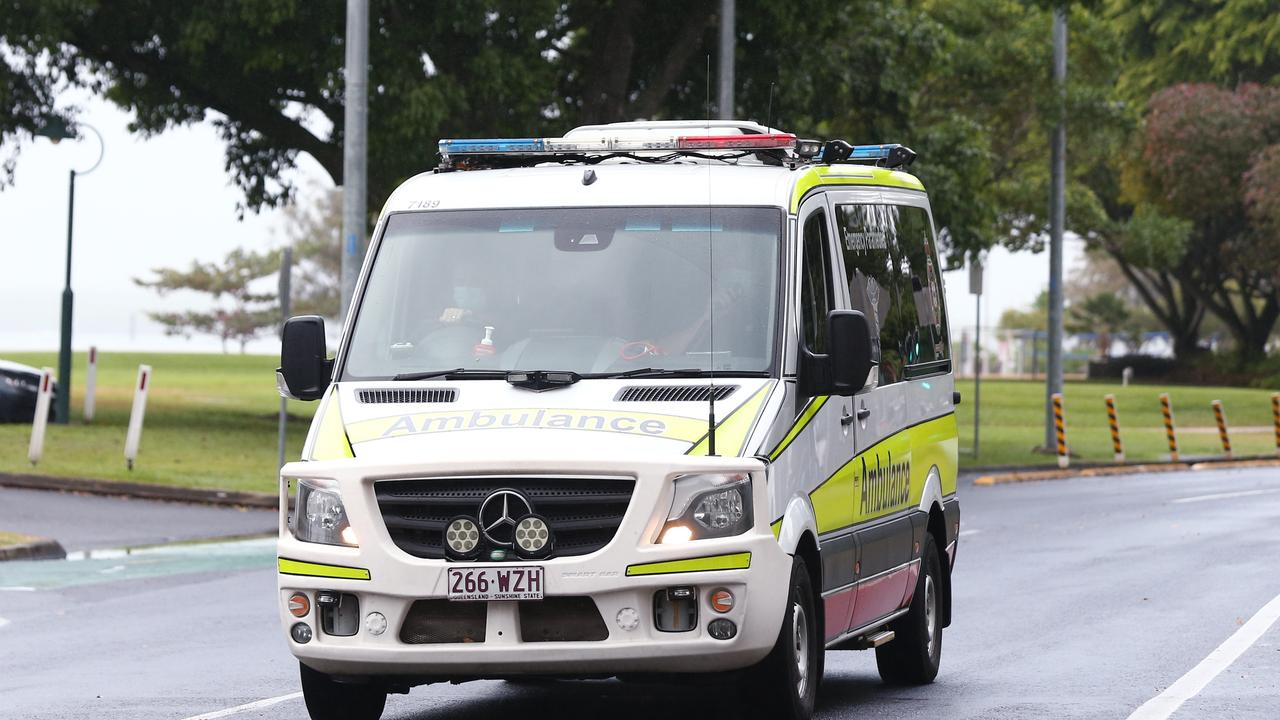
[1013, 421]
[211, 422]
[12, 538]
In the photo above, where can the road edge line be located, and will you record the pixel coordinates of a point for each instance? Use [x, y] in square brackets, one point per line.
[256, 704]
[1197, 678]
[1105, 471]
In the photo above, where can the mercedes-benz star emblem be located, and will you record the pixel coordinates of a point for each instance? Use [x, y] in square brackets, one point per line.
[499, 513]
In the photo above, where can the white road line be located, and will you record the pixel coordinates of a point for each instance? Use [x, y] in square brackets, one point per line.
[1222, 496]
[18, 588]
[1187, 686]
[969, 532]
[246, 707]
[3, 622]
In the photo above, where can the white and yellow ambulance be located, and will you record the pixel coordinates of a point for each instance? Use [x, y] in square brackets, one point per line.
[651, 397]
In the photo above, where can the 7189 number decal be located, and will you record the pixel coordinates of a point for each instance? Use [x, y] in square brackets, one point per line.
[505, 583]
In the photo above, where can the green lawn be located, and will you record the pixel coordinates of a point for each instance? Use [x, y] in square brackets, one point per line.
[211, 422]
[1013, 421]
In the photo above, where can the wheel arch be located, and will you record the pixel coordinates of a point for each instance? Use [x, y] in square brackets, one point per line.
[937, 527]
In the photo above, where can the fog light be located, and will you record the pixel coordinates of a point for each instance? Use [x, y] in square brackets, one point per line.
[721, 600]
[462, 536]
[628, 618]
[722, 629]
[375, 623]
[532, 536]
[676, 534]
[299, 605]
[301, 633]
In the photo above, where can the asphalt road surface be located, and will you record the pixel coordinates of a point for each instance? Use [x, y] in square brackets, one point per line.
[1083, 598]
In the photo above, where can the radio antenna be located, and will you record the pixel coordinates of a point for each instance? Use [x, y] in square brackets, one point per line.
[769, 114]
[711, 294]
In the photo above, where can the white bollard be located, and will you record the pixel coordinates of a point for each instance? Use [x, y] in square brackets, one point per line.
[44, 395]
[90, 382]
[135, 415]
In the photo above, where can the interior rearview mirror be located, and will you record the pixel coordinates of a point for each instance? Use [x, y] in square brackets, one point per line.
[304, 371]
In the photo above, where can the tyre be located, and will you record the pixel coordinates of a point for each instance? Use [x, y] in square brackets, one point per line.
[785, 683]
[330, 700]
[914, 654]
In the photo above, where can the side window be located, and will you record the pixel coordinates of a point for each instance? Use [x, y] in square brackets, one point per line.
[815, 286]
[917, 243]
[888, 257]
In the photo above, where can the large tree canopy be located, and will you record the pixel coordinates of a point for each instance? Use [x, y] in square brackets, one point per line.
[966, 84]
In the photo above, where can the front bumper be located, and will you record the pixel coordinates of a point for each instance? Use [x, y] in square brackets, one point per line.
[396, 580]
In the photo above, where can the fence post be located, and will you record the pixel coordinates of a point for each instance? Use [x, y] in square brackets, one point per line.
[90, 384]
[134, 437]
[40, 421]
[1221, 417]
[1275, 416]
[1115, 428]
[1060, 430]
[1167, 409]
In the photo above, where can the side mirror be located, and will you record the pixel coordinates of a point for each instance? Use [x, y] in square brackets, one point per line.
[850, 358]
[844, 368]
[304, 371]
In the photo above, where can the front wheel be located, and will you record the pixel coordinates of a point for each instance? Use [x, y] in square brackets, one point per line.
[330, 700]
[786, 682]
[913, 656]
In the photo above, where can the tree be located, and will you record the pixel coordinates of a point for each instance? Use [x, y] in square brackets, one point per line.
[951, 79]
[1103, 314]
[1206, 161]
[314, 228]
[240, 313]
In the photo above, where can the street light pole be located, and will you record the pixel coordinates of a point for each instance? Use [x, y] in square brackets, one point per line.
[57, 131]
[1057, 224]
[354, 148]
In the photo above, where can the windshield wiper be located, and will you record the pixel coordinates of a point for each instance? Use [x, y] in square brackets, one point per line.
[650, 372]
[453, 374]
[539, 380]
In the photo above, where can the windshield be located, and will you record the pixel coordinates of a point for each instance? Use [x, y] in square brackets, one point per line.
[587, 290]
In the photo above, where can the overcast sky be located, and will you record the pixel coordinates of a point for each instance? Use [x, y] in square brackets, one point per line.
[167, 200]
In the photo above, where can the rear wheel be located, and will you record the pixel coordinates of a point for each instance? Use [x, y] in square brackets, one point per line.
[786, 682]
[914, 654]
[330, 700]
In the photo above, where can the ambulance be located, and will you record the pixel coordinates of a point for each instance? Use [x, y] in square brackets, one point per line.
[664, 400]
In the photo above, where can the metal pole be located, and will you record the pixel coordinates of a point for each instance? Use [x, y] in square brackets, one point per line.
[1057, 223]
[286, 270]
[63, 407]
[727, 39]
[977, 371]
[354, 147]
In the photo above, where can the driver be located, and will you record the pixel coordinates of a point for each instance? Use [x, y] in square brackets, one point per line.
[468, 320]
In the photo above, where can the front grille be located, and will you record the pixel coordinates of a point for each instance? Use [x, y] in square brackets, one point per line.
[441, 621]
[582, 512]
[673, 393]
[408, 395]
[561, 619]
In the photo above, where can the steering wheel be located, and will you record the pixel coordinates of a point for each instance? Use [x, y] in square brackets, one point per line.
[637, 349]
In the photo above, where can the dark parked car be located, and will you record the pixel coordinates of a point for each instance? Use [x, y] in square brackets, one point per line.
[18, 387]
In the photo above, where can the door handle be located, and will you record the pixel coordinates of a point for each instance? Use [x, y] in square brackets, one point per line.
[846, 419]
[864, 413]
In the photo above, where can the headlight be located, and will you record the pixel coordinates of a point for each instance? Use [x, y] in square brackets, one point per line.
[319, 516]
[709, 506]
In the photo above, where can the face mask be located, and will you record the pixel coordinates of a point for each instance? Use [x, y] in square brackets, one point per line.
[468, 297]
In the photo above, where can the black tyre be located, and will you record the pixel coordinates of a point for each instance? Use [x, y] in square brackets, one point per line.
[330, 700]
[785, 684]
[913, 656]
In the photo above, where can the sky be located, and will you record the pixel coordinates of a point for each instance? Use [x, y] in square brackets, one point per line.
[166, 200]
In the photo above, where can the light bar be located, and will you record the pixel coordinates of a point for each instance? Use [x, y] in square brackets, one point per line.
[551, 146]
[872, 152]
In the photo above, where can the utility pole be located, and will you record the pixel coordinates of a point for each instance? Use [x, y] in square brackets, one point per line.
[285, 292]
[975, 288]
[1057, 225]
[355, 146]
[727, 40]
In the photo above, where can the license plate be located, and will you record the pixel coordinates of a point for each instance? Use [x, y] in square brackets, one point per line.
[495, 583]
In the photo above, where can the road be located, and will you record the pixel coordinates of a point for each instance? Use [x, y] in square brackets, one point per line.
[1082, 598]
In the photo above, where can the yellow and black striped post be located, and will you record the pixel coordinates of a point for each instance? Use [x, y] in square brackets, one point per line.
[1061, 430]
[1115, 428]
[1167, 409]
[1221, 417]
[1275, 416]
